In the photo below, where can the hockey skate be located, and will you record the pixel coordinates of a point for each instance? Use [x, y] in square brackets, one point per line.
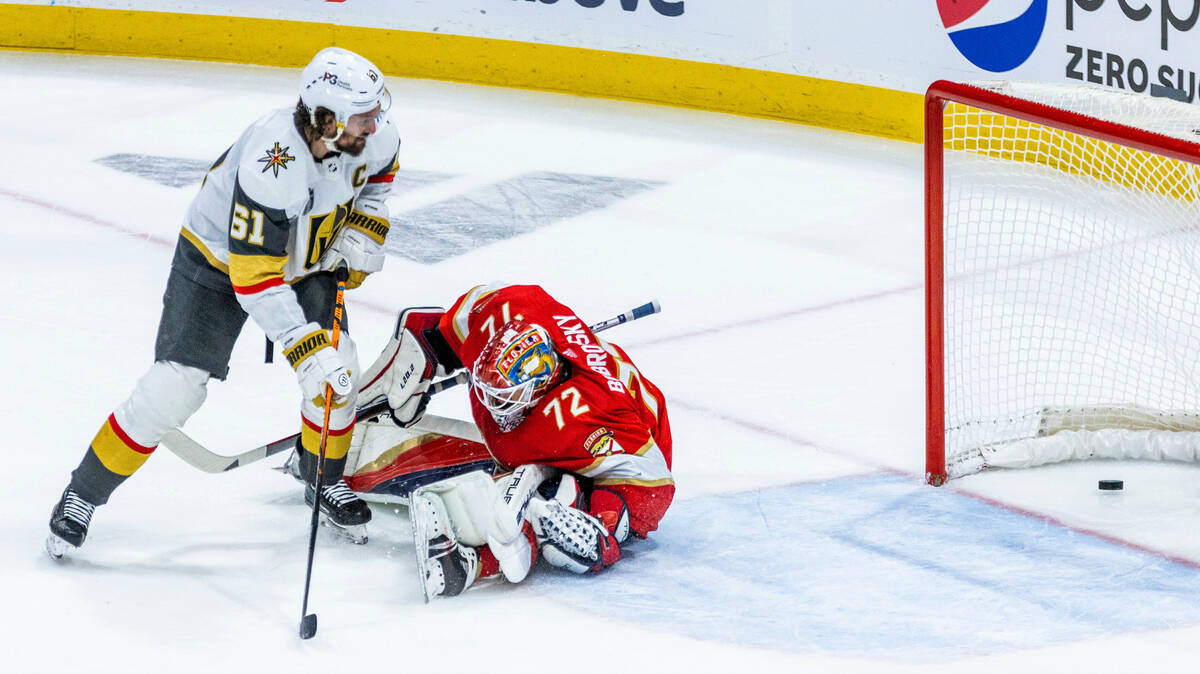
[68, 524]
[341, 510]
[443, 566]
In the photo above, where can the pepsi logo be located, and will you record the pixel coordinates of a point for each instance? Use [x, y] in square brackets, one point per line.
[995, 35]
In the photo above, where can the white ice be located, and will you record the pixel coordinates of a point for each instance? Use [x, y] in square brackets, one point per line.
[788, 261]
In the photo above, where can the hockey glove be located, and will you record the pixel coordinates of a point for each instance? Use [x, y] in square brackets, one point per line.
[317, 363]
[570, 538]
[360, 251]
[408, 364]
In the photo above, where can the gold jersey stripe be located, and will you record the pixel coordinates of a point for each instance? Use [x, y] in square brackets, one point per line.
[592, 466]
[376, 228]
[384, 460]
[251, 270]
[116, 451]
[629, 375]
[646, 447]
[195, 241]
[461, 316]
[636, 483]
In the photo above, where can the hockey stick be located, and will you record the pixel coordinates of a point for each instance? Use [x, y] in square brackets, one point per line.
[308, 621]
[199, 456]
[651, 307]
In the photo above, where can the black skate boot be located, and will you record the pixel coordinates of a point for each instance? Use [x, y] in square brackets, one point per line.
[342, 510]
[68, 523]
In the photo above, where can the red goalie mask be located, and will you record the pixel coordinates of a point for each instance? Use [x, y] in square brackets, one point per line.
[513, 372]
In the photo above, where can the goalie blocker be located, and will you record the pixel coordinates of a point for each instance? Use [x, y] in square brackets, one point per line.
[402, 374]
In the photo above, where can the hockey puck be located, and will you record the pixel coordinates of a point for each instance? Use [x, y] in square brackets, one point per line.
[1112, 485]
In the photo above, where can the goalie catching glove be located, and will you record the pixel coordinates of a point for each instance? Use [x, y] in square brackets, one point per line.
[415, 355]
[579, 541]
[317, 363]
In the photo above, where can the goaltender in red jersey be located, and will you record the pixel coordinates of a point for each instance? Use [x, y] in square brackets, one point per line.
[584, 433]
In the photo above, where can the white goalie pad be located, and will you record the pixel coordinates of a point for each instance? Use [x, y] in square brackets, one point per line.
[482, 511]
[469, 500]
[1074, 445]
[373, 439]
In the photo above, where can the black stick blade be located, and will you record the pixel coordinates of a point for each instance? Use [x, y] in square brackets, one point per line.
[308, 626]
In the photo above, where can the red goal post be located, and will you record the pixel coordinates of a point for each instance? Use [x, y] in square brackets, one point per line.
[1050, 141]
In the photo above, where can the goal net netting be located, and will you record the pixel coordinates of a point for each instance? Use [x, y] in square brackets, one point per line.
[1063, 276]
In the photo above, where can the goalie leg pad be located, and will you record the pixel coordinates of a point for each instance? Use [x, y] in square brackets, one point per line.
[468, 500]
[479, 511]
[515, 492]
[516, 557]
[444, 567]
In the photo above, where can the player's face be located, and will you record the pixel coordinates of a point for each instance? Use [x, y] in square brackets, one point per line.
[358, 127]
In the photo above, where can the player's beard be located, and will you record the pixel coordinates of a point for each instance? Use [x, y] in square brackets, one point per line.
[351, 145]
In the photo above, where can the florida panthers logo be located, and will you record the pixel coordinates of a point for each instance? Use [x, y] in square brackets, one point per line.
[601, 443]
[527, 357]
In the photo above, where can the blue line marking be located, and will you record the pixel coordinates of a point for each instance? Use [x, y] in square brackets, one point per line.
[878, 566]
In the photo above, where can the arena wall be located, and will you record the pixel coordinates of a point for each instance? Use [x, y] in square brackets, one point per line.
[853, 65]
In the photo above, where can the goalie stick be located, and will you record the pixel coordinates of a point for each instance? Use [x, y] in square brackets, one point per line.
[199, 456]
[651, 307]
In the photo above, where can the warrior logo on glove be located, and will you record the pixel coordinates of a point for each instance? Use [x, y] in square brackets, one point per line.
[514, 371]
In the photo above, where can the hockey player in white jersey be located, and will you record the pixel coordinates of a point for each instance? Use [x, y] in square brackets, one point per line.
[300, 192]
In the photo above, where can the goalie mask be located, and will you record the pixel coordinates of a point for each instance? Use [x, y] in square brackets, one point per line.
[513, 372]
[344, 83]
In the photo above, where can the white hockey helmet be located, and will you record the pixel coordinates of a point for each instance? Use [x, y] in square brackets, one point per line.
[344, 83]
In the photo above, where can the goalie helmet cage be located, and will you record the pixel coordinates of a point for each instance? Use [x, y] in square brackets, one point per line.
[1062, 230]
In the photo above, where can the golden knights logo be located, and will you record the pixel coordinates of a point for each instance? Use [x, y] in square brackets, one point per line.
[276, 158]
[323, 229]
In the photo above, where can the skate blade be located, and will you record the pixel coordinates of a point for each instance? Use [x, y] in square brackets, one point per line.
[291, 466]
[356, 534]
[56, 547]
[416, 517]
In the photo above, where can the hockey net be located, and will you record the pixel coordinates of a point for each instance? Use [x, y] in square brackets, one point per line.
[1062, 276]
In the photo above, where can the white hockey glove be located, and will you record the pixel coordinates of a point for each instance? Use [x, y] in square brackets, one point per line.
[360, 252]
[408, 364]
[317, 363]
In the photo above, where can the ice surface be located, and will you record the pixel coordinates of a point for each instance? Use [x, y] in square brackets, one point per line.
[788, 262]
